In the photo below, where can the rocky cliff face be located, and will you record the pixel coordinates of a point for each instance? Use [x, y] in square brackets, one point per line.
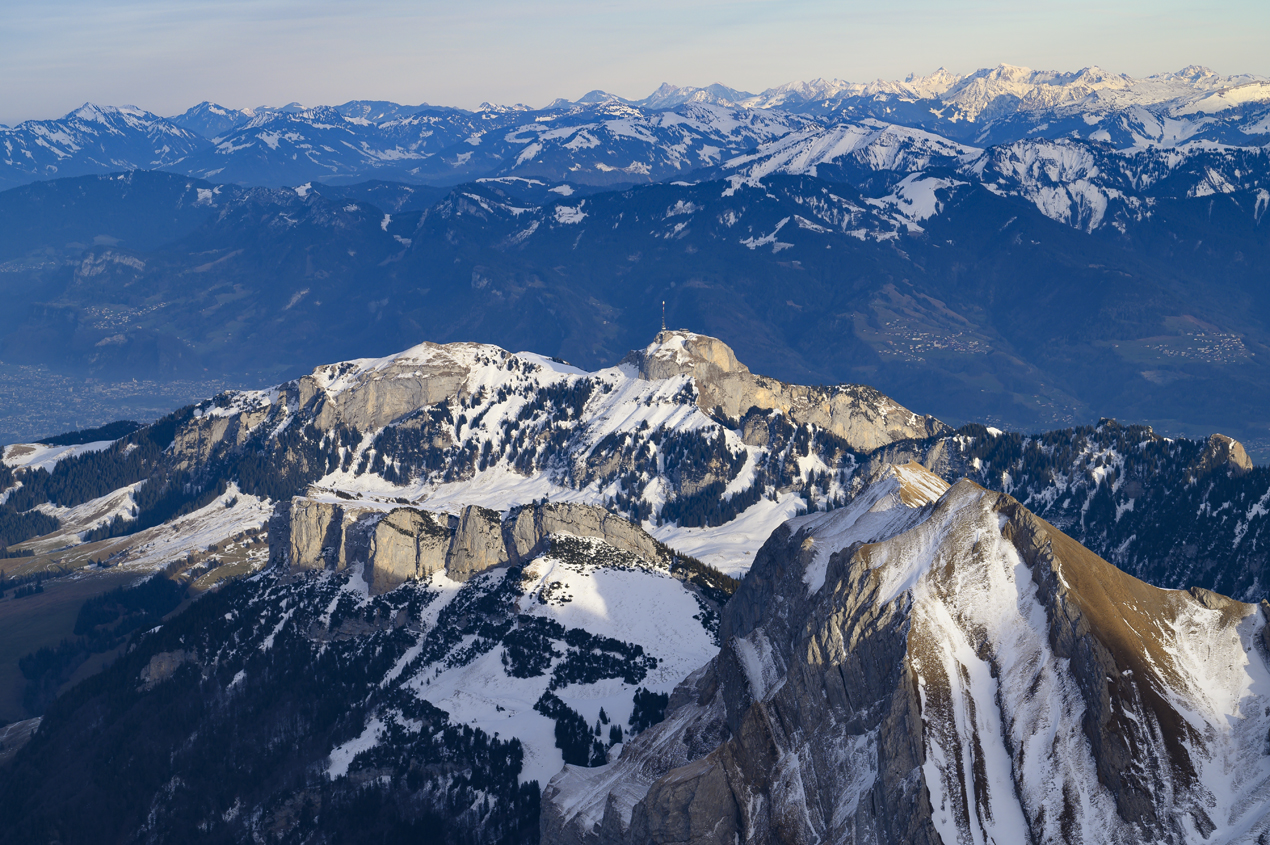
[315, 539]
[410, 544]
[369, 394]
[363, 395]
[860, 415]
[931, 666]
[407, 544]
[531, 526]
[1225, 454]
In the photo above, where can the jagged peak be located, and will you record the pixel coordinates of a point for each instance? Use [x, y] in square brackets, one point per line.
[891, 502]
[1195, 72]
[1066, 666]
[917, 485]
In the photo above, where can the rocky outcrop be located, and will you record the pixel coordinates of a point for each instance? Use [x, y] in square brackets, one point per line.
[316, 537]
[198, 437]
[1225, 454]
[407, 544]
[860, 415]
[163, 665]
[310, 534]
[529, 528]
[940, 672]
[363, 395]
[477, 545]
[410, 543]
[15, 735]
[367, 395]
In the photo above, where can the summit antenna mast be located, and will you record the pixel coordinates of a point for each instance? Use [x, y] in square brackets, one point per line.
[663, 315]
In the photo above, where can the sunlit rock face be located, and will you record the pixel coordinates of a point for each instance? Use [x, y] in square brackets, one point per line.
[411, 544]
[860, 415]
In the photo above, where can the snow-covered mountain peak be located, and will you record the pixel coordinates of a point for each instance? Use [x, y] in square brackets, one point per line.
[212, 120]
[931, 85]
[966, 649]
[1192, 73]
[92, 111]
[494, 108]
[668, 96]
[428, 356]
[793, 94]
[594, 97]
[676, 352]
[664, 90]
[895, 486]
[896, 499]
[993, 92]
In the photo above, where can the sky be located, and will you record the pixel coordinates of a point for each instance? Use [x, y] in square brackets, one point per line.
[167, 55]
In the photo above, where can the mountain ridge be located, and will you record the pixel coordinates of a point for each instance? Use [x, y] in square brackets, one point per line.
[971, 741]
[423, 143]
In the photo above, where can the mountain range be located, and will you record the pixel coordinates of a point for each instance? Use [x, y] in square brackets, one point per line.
[946, 519]
[960, 296]
[604, 139]
[491, 597]
[1023, 248]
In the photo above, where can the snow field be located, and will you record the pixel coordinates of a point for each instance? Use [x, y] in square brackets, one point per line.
[988, 683]
[731, 547]
[225, 516]
[644, 606]
[39, 456]
[1221, 686]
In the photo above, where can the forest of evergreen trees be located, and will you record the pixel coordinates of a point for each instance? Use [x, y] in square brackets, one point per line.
[103, 623]
[248, 729]
[109, 431]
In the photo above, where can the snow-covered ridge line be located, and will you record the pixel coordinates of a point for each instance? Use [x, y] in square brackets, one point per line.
[967, 646]
[680, 436]
[605, 140]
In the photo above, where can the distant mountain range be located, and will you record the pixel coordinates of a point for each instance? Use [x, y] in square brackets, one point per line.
[605, 140]
[958, 296]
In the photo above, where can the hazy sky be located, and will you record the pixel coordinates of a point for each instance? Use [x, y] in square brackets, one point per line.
[166, 55]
